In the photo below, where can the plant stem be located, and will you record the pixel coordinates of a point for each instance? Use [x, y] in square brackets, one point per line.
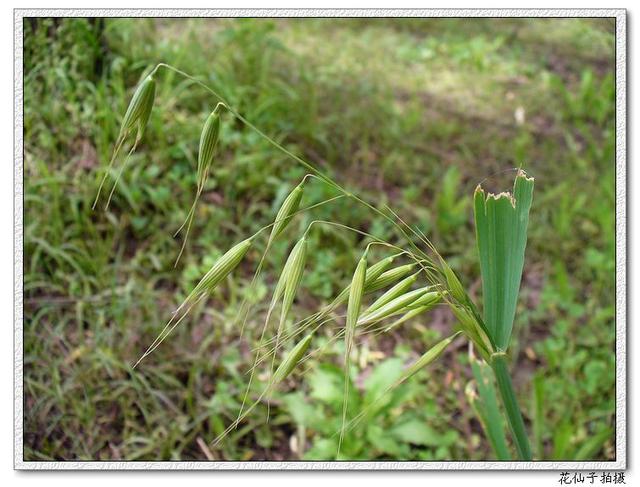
[501, 370]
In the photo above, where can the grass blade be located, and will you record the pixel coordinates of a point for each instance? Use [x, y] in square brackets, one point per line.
[487, 408]
[501, 232]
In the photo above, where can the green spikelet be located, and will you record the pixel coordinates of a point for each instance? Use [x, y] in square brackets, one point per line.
[389, 277]
[289, 206]
[136, 116]
[223, 266]
[356, 291]
[208, 142]
[397, 290]
[139, 108]
[373, 273]
[295, 267]
[392, 307]
[291, 360]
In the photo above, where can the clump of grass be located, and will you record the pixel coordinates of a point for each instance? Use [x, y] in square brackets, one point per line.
[501, 225]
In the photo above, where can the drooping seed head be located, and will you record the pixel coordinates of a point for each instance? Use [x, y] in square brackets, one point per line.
[397, 290]
[294, 270]
[432, 354]
[139, 108]
[473, 330]
[389, 277]
[282, 282]
[394, 306]
[285, 214]
[223, 266]
[291, 360]
[208, 141]
[465, 318]
[407, 316]
[356, 291]
[427, 300]
[377, 269]
[373, 273]
[453, 283]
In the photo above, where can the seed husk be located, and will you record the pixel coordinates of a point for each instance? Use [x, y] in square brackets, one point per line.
[393, 307]
[453, 283]
[389, 277]
[221, 269]
[421, 305]
[293, 276]
[291, 360]
[429, 356]
[139, 108]
[137, 114]
[376, 270]
[429, 299]
[282, 282]
[373, 273]
[407, 316]
[469, 324]
[396, 291]
[208, 141]
[286, 211]
[223, 266]
[356, 291]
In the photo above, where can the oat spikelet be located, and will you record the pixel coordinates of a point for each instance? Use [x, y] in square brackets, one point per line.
[397, 290]
[206, 151]
[356, 291]
[289, 206]
[136, 117]
[218, 272]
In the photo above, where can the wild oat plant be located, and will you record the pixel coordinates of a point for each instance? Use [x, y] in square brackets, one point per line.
[413, 279]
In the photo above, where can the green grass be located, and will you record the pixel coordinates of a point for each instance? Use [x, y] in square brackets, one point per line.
[414, 113]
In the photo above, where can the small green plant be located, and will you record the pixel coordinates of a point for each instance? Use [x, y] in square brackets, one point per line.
[413, 278]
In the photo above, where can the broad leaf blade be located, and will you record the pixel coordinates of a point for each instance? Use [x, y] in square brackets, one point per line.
[501, 232]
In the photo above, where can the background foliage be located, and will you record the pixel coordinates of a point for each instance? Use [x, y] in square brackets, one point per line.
[410, 112]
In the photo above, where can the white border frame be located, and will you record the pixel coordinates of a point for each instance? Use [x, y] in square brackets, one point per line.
[621, 251]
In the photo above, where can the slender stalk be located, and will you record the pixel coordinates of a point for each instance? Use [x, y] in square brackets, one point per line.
[501, 370]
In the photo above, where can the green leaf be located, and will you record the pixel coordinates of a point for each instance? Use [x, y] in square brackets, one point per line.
[486, 406]
[382, 441]
[593, 445]
[501, 231]
[302, 412]
[327, 384]
[562, 440]
[383, 376]
[417, 433]
[322, 449]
